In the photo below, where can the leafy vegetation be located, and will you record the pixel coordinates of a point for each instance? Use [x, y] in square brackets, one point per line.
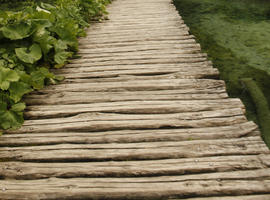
[35, 37]
[235, 35]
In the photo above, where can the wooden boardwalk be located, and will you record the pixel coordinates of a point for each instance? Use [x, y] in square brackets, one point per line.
[141, 115]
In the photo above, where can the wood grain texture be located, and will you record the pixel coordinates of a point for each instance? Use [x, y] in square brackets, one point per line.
[66, 98]
[140, 115]
[129, 136]
[220, 184]
[134, 151]
[148, 168]
[249, 197]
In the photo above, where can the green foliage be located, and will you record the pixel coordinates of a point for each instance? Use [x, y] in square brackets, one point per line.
[6, 77]
[11, 117]
[30, 55]
[40, 36]
[17, 31]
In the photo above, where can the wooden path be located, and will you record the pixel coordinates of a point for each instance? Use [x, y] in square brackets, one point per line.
[142, 115]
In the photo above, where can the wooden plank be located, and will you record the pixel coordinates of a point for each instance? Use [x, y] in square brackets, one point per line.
[147, 7]
[103, 116]
[21, 170]
[137, 19]
[172, 68]
[132, 192]
[201, 105]
[154, 31]
[143, 25]
[138, 59]
[149, 30]
[170, 20]
[99, 97]
[151, 9]
[242, 197]
[142, 73]
[132, 125]
[187, 186]
[185, 43]
[134, 107]
[185, 46]
[182, 66]
[220, 176]
[184, 35]
[252, 140]
[88, 63]
[149, 12]
[179, 66]
[184, 52]
[130, 41]
[130, 136]
[141, 32]
[83, 77]
[140, 85]
[143, 15]
[194, 71]
[135, 151]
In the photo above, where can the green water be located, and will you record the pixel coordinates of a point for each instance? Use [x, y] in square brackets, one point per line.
[236, 36]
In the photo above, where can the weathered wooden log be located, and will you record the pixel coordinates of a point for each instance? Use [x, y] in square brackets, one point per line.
[248, 182]
[149, 168]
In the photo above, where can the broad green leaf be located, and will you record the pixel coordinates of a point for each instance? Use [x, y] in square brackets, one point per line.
[3, 106]
[46, 72]
[18, 107]
[67, 30]
[62, 56]
[60, 45]
[3, 63]
[29, 56]
[24, 77]
[10, 119]
[7, 76]
[5, 85]
[41, 23]
[18, 89]
[39, 76]
[17, 31]
[44, 39]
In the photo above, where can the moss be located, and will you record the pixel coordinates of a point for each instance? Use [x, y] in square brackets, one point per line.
[262, 108]
[235, 35]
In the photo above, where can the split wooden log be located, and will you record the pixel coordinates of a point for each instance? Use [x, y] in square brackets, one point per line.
[135, 151]
[203, 185]
[130, 136]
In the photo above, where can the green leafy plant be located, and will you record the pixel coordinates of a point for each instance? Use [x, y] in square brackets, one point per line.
[33, 40]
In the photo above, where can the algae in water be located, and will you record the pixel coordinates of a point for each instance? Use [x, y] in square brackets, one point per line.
[236, 36]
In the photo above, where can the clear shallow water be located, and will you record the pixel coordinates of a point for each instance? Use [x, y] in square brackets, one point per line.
[236, 36]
